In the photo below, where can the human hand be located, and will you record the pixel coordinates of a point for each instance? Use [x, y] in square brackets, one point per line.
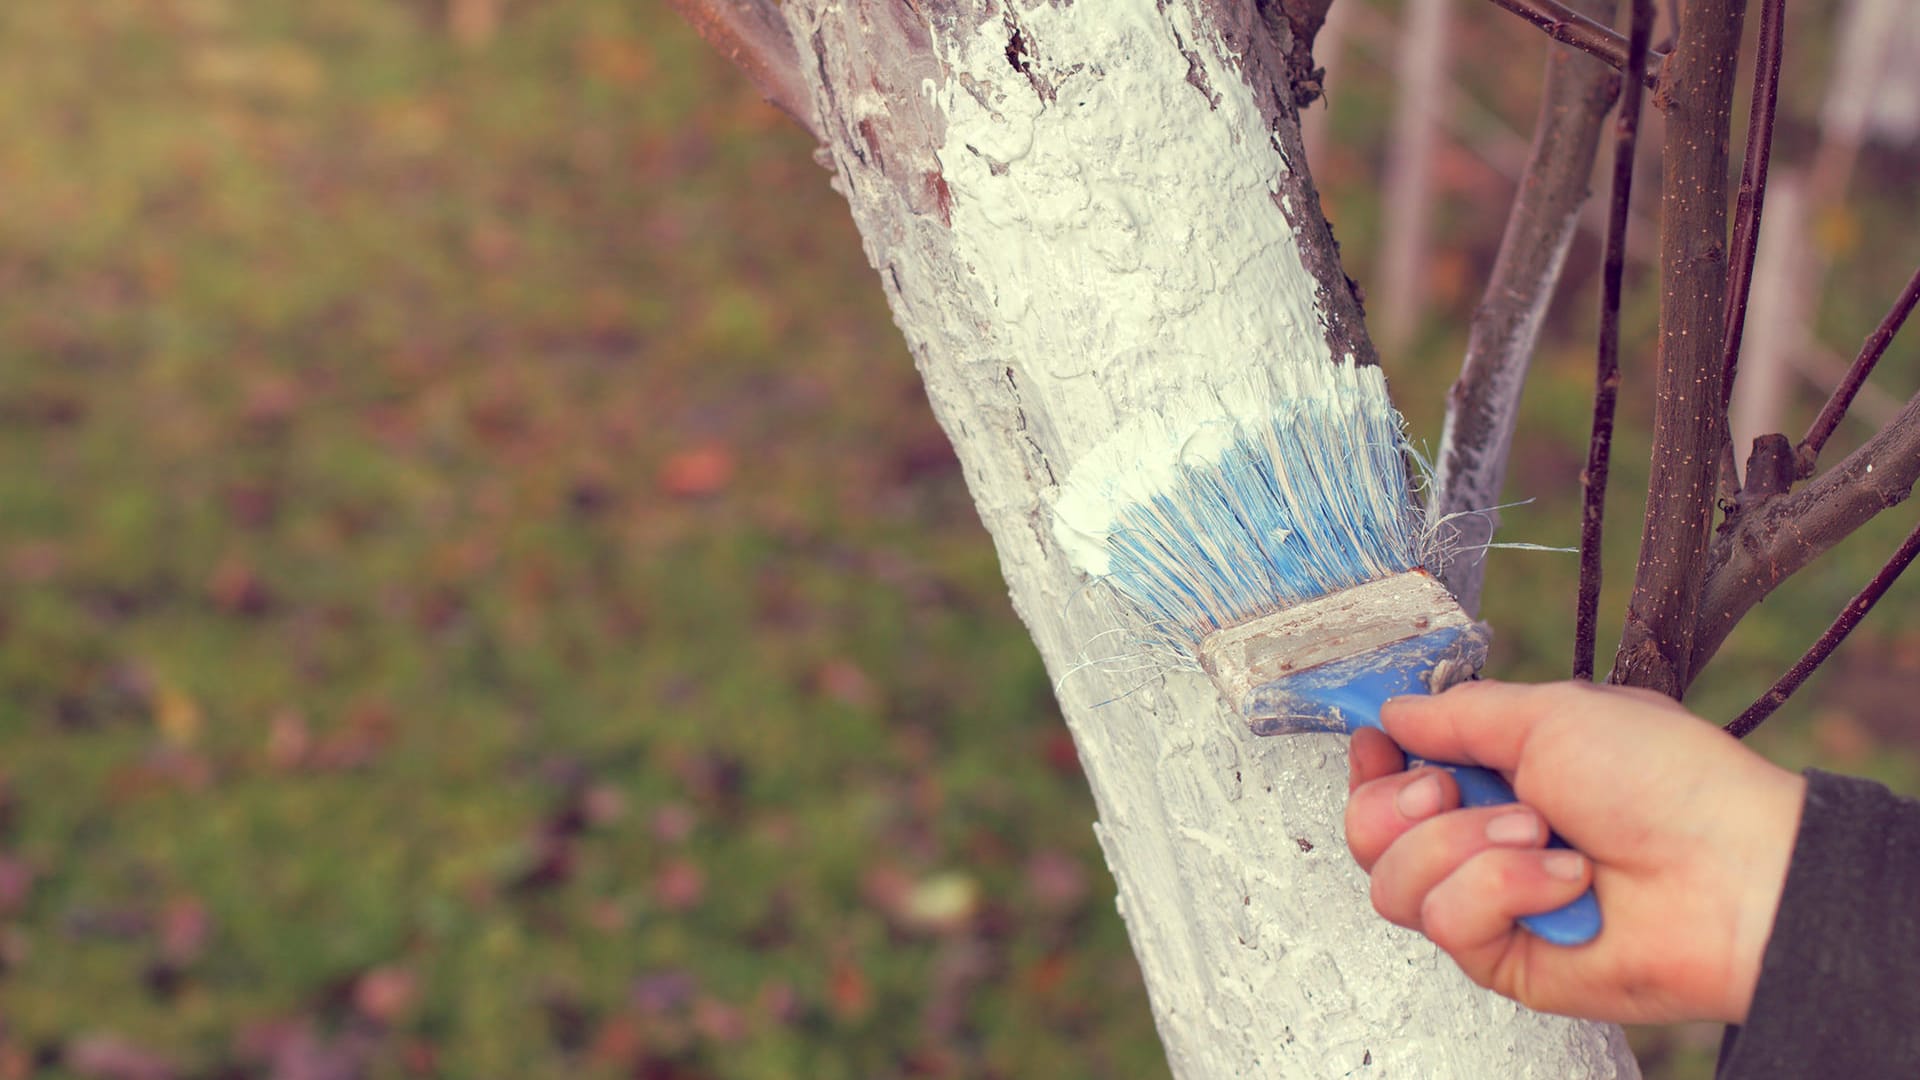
[1684, 833]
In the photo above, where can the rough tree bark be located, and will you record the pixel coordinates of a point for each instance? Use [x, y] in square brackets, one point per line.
[1696, 94]
[1074, 208]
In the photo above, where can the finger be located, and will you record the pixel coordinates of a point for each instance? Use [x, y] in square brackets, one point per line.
[1475, 723]
[1380, 810]
[1472, 914]
[1370, 756]
[1433, 850]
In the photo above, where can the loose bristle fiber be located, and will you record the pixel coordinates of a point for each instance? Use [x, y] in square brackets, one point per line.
[1283, 489]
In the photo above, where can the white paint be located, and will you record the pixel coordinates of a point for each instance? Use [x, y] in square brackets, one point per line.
[1112, 253]
[1084, 215]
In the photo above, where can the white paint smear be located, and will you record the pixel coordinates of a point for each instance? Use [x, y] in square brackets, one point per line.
[1083, 214]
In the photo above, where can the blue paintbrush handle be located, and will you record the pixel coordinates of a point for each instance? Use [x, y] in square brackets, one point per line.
[1575, 924]
[1347, 694]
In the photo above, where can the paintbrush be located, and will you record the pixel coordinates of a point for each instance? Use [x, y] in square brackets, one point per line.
[1265, 531]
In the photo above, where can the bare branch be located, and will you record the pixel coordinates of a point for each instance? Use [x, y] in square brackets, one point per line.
[1481, 407]
[1689, 411]
[1606, 376]
[1836, 633]
[754, 36]
[1777, 537]
[1808, 452]
[1753, 185]
[1569, 27]
[1747, 211]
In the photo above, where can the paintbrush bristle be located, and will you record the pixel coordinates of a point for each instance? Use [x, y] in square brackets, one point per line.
[1231, 503]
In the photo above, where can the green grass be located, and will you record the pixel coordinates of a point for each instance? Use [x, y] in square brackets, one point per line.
[408, 447]
[481, 593]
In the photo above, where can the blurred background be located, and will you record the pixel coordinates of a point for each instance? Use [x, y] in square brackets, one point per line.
[481, 593]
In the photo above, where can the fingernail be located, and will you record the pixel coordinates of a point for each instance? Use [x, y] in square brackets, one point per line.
[1518, 827]
[1565, 865]
[1420, 798]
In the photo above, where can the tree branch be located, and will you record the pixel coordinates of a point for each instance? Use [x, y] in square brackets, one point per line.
[1747, 211]
[1478, 434]
[1836, 633]
[1808, 452]
[1777, 537]
[1569, 27]
[754, 37]
[1606, 385]
[1697, 95]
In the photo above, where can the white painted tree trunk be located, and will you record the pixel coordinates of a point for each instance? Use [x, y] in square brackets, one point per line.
[1075, 208]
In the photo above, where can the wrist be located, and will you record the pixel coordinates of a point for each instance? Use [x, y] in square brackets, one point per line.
[1764, 863]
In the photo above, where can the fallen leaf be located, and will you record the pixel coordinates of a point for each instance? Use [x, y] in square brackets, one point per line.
[386, 994]
[16, 884]
[843, 681]
[176, 715]
[673, 822]
[109, 1057]
[185, 926]
[236, 588]
[698, 472]
[680, 885]
[942, 903]
[1057, 881]
[848, 993]
[288, 740]
[718, 1021]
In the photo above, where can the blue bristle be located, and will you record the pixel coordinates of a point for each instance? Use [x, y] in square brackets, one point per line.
[1305, 501]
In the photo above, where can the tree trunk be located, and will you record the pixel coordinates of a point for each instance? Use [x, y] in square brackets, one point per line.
[1075, 208]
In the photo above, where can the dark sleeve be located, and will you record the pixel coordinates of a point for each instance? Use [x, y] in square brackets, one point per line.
[1839, 991]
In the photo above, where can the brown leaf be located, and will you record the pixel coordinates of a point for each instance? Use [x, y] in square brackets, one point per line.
[680, 885]
[386, 995]
[843, 681]
[717, 1021]
[32, 562]
[288, 740]
[109, 1057]
[16, 884]
[698, 472]
[673, 823]
[1060, 753]
[236, 588]
[848, 994]
[1057, 881]
[185, 926]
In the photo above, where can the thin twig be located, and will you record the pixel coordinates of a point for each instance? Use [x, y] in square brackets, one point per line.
[1748, 208]
[1836, 633]
[1808, 452]
[1606, 376]
[1569, 27]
